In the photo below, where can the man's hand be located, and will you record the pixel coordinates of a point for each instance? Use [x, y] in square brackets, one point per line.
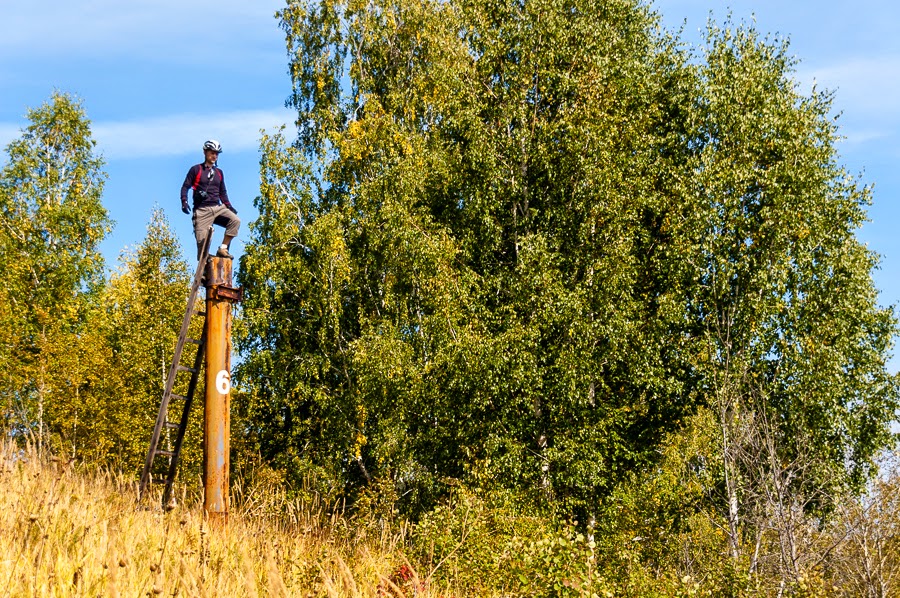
[231, 207]
[185, 208]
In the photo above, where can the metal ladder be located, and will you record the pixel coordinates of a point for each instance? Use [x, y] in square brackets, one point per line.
[162, 419]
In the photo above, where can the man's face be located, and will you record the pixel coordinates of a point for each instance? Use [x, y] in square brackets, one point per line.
[211, 156]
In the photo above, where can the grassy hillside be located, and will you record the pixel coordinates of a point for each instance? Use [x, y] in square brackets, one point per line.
[65, 533]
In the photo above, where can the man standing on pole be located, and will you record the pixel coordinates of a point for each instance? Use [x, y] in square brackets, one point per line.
[211, 205]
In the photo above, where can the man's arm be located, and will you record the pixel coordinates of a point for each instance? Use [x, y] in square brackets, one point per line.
[187, 184]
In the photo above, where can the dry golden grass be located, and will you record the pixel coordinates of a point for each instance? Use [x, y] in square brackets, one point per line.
[66, 533]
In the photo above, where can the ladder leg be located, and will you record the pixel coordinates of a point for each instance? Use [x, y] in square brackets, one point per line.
[162, 416]
[182, 427]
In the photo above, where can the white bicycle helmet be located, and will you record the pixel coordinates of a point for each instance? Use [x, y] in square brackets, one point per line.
[213, 145]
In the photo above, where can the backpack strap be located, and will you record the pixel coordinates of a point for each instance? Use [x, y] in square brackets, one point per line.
[197, 178]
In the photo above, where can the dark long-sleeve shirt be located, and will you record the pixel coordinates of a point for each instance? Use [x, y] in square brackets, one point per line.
[211, 180]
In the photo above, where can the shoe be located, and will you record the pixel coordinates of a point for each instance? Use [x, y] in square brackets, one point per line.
[223, 252]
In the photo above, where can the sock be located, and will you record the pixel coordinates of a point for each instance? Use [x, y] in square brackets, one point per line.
[223, 246]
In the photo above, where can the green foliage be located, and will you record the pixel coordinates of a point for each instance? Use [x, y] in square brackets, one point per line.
[51, 223]
[477, 262]
[562, 564]
[518, 244]
[661, 534]
[82, 361]
[793, 344]
[143, 306]
[786, 300]
[290, 323]
[487, 545]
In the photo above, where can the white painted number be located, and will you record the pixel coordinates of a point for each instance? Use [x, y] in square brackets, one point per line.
[223, 382]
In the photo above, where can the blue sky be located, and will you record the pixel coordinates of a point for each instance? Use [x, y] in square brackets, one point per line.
[158, 77]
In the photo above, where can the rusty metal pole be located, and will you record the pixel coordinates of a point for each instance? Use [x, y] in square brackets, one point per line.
[217, 413]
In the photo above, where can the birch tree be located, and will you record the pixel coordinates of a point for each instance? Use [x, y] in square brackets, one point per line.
[51, 223]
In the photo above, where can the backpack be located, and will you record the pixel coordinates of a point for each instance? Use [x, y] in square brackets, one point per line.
[196, 186]
[199, 173]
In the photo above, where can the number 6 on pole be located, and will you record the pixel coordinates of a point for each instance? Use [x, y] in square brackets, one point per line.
[223, 382]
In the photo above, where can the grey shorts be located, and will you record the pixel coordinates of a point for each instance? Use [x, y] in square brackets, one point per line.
[206, 216]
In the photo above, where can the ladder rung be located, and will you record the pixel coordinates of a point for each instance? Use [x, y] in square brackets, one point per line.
[193, 341]
[160, 480]
[165, 453]
[176, 397]
[171, 425]
[200, 312]
[184, 368]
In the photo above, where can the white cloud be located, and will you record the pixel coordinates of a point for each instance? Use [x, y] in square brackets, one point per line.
[138, 27]
[175, 135]
[861, 136]
[862, 86]
[185, 133]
